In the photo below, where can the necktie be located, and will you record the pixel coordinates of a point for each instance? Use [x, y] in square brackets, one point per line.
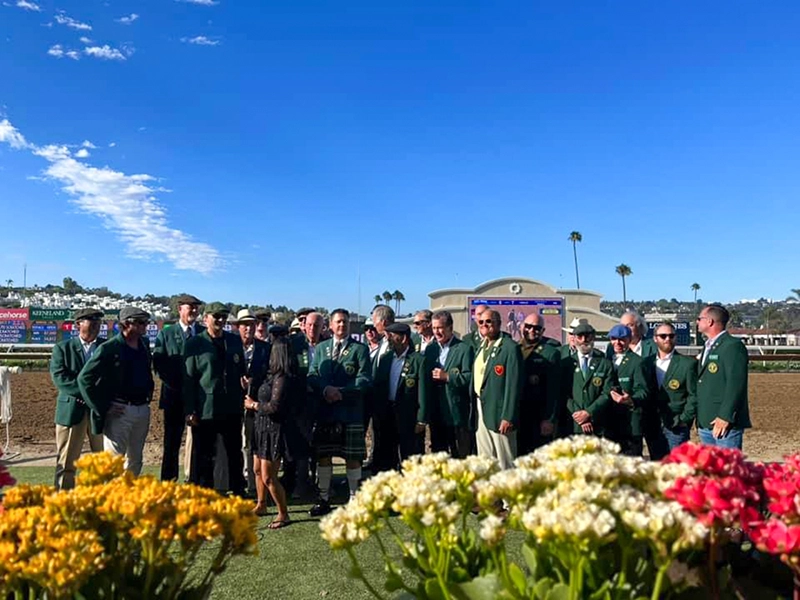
[337, 350]
[189, 332]
[584, 364]
[485, 352]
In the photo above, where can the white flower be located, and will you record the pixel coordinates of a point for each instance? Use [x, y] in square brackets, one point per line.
[492, 530]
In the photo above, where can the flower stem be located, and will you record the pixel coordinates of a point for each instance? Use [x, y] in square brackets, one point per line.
[659, 582]
[712, 563]
[370, 588]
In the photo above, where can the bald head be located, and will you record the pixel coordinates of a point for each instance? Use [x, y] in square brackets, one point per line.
[313, 326]
[533, 328]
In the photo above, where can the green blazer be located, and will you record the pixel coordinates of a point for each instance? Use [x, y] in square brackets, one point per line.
[351, 373]
[649, 348]
[450, 401]
[168, 362]
[473, 338]
[627, 421]
[411, 402]
[66, 363]
[101, 379]
[591, 393]
[212, 388]
[502, 384]
[722, 384]
[541, 388]
[674, 400]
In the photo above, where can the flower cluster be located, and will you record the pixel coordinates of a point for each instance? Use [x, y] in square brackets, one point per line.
[116, 522]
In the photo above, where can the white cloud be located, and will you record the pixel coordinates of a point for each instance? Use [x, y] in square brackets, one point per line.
[88, 144]
[126, 204]
[85, 40]
[63, 19]
[200, 2]
[106, 52]
[82, 153]
[112, 144]
[200, 40]
[24, 4]
[59, 52]
[128, 20]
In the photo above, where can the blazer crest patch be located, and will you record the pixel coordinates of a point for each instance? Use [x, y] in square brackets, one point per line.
[674, 384]
[713, 367]
[350, 369]
[597, 381]
[410, 382]
[499, 370]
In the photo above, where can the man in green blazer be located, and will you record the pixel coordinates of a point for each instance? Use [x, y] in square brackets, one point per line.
[497, 376]
[213, 397]
[722, 407]
[629, 396]
[537, 412]
[450, 366]
[72, 415]
[168, 362]
[117, 385]
[588, 377]
[423, 336]
[339, 376]
[673, 384]
[640, 344]
[474, 338]
[401, 410]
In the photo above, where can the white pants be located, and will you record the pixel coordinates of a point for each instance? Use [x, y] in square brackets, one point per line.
[124, 434]
[247, 451]
[495, 445]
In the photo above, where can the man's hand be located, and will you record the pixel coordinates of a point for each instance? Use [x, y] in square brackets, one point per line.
[419, 428]
[250, 404]
[331, 394]
[720, 427]
[246, 381]
[440, 375]
[546, 428]
[581, 417]
[505, 427]
[192, 420]
[623, 398]
[587, 427]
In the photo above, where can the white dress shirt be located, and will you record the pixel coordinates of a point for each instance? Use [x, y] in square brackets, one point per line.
[662, 364]
[88, 348]
[707, 349]
[637, 349]
[618, 360]
[444, 350]
[394, 374]
[185, 328]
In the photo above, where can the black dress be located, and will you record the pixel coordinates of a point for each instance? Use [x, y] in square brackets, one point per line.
[269, 436]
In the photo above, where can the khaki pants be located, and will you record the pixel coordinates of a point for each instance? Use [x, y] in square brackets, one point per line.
[69, 444]
[125, 434]
[495, 445]
[187, 455]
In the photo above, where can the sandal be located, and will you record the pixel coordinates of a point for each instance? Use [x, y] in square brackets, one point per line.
[279, 524]
[260, 511]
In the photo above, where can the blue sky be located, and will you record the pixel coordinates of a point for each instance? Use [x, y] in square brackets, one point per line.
[268, 152]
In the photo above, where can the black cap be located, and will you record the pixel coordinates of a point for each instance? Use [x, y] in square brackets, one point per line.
[303, 311]
[400, 328]
[131, 312]
[583, 329]
[222, 310]
[263, 315]
[87, 313]
[278, 330]
[189, 299]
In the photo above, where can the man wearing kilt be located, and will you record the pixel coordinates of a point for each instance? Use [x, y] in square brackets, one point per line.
[338, 377]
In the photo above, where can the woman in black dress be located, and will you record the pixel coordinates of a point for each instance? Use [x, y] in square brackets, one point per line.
[269, 434]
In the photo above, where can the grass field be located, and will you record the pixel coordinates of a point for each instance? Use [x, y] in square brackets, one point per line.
[293, 562]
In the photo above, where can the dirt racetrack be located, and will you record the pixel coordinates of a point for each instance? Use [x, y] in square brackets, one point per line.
[774, 399]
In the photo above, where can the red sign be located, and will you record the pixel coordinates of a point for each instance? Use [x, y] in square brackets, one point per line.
[13, 314]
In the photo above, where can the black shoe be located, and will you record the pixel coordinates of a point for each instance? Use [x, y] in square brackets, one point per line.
[320, 509]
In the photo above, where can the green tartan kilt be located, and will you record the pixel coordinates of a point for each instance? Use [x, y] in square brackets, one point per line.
[346, 441]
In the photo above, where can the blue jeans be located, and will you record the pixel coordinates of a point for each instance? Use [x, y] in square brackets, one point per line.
[732, 439]
[676, 436]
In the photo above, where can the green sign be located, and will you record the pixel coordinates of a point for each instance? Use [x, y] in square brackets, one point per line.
[111, 314]
[50, 314]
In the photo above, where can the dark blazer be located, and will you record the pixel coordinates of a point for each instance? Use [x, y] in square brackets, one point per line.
[502, 384]
[65, 365]
[722, 384]
[168, 362]
[258, 367]
[591, 393]
[213, 388]
[674, 400]
[541, 388]
[451, 400]
[101, 379]
[410, 403]
[623, 421]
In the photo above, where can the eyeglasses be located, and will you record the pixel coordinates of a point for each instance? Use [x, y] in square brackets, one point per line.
[418, 323]
[665, 336]
[485, 322]
[703, 318]
[527, 326]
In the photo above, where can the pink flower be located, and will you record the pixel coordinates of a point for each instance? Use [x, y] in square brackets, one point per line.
[776, 537]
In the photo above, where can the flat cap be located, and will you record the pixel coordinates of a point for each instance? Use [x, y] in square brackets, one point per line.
[619, 332]
[401, 328]
[583, 328]
[210, 310]
[131, 312]
[303, 311]
[189, 299]
[87, 313]
[245, 315]
[277, 330]
[263, 315]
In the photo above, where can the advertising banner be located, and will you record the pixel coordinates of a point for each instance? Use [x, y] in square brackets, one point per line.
[14, 314]
[50, 314]
[12, 332]
[152, 332]
[683, 332]
[513, 311]
[44, 333]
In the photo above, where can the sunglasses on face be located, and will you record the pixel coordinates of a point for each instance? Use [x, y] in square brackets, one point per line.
[528, 326]
[418, 323]
[485, 322]
[139, 321]
[666, 336]
[219, 317]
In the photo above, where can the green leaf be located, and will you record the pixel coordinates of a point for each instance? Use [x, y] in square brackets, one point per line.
[393, 581]
[518, 578]
[529, 554]
[481, 588]
[542, 587]
[433, 591]
[560, 591]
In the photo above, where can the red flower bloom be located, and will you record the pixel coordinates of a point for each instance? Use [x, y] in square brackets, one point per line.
[776, 537]
[723, 501]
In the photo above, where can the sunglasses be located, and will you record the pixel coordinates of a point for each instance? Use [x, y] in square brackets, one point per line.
[420, 322]
[221, 317]
[528, 326]
[485, 322]
[666, 336]
[139, 321]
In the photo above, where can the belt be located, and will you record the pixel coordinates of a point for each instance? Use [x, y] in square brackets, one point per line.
[131, 402]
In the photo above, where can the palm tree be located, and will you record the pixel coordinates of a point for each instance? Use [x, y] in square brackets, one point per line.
[387, 296]
[398, 297]
[796, 292]
[378, 298]
[624, 271]
[695, 288]
[575, 237]
[9, 283]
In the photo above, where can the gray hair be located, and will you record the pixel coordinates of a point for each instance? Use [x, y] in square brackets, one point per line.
[383, 313]
[426, 314]
[641, 324]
